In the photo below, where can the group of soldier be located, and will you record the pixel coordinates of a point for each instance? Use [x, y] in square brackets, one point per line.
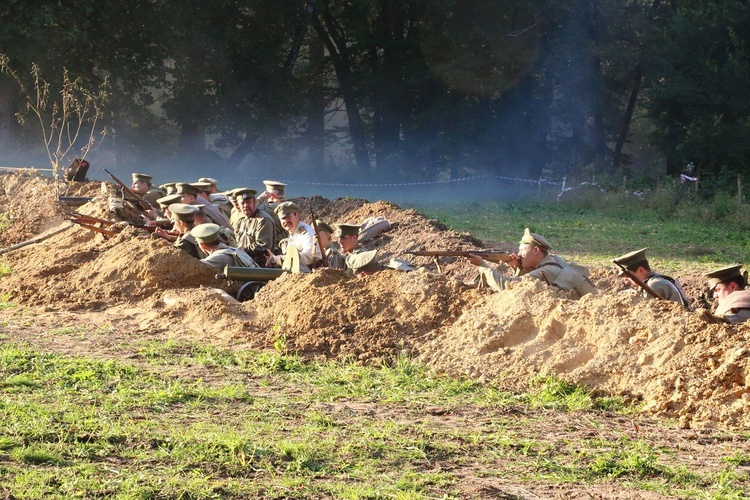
[242, 228]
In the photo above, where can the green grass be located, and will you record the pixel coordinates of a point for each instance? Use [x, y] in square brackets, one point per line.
[250, 424]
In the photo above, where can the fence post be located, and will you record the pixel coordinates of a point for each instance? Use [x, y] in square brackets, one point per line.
[739, 187]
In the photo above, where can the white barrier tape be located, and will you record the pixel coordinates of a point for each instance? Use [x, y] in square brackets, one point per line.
[422, 183]
[684, 178]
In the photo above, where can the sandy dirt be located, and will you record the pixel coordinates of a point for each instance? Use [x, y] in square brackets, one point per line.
[680, 364]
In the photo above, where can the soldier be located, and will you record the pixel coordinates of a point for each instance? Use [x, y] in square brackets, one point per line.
[732, 299]
[301, 236]
[218, 199]
[226, 235]
[143, 187]
[533, 261]
[214, 213]
[269, 199]
[236, 213]
[665, 287]
[324, 236]
[190, 196]
[184, 221]
[168, 188]
[347, 235]
[256, 232]
[165, 220]
[218, 254]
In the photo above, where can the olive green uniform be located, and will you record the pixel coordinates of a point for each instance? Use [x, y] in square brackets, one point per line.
[256, 233]
[665, 288]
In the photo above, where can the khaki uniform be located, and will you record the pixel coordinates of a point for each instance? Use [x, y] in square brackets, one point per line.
[256, 233]
[228, 256]
[270, 209]
[187, 243]
[335, 258]
[735, 307]
[213, 212]
[153, 195]
[665, 288]
[552, 269]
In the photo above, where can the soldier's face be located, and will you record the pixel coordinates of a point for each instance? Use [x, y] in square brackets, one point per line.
[248, 205]
[723, 289]
[140, 187]
[348, 242]
[290, 221]
[324, 238]
[530, 255]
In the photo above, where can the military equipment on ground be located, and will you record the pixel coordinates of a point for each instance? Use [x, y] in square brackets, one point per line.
[254, 277]
[35, 239]
[490, 255]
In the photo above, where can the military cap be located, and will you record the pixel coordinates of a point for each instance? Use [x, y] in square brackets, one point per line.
[142, 177]
[166, 201]
[169, 187]
[322, 226]
[203, 186]
[206, 233]
[400, 265]
[286, 208]
[200, 207]
[210, 180]
[537, 240]
[347, 229]
[363, 261]
[632, 260]
[245, 193]
[723, 274]
[183, 212]
[275, 187]
[187, 188]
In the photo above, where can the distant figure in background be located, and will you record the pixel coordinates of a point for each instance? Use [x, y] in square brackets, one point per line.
[664, 286]
[534, 261]
[732, 299]
[77, 171]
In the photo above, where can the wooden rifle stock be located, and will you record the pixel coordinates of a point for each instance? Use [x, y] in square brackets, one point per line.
[638, 281]
[320, 244]
[491, 256]
[140, 203]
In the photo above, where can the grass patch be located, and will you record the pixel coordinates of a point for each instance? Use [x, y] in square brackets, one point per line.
[271, 424]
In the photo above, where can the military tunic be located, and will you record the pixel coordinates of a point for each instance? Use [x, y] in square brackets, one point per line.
[552, 269]
[152, 195]
[735, 307]
[664, 288]
[187, 243]
[256, 233]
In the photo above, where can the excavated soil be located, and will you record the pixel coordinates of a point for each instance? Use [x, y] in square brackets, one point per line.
[680, 364]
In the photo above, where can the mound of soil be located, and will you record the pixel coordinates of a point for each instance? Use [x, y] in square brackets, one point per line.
[680, 364]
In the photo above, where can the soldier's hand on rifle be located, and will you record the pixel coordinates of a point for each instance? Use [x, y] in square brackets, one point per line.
[515, 260]
[475, 259]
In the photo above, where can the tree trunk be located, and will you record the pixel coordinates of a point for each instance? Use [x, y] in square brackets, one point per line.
[339, 54]
[627, 120]
[8, 93]
[316, 110]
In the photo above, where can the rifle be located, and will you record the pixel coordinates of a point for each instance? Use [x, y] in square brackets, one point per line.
[320, 244]
[489, 255]
[139, 202]
[87, 219]
[638, 281]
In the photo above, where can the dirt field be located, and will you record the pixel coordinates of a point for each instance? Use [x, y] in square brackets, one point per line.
[680, 364]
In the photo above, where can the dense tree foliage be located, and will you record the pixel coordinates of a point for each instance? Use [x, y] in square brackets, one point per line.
[408, 88]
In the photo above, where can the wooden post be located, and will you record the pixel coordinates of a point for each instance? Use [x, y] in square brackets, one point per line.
[624, 183]
[739, 187]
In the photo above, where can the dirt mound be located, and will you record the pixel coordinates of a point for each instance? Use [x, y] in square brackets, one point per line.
[680, 364]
